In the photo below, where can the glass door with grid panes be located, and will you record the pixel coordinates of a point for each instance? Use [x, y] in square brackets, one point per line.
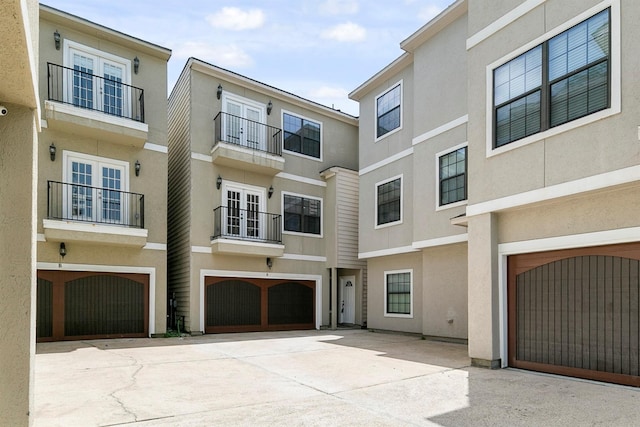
[243, 124]
[243, 213]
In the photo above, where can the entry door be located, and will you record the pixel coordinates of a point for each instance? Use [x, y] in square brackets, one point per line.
[348, 299]
[243, 125]
[96, 191]
[243, 218]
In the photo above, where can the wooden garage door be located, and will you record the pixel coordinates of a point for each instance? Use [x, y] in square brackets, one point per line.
[243, 305]
[88, 305]
[576, 312]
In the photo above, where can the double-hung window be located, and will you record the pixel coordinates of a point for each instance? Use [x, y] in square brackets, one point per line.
[302, 214]
[398, 289]
[389, 201]
[564, 78]
[389, 111]
[302, 136]
[452, 176]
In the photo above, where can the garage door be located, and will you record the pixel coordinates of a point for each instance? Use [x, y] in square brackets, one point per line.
[88, 305]
[243, 305]
[576, 312]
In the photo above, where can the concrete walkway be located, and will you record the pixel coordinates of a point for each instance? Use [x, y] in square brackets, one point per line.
[344, 377]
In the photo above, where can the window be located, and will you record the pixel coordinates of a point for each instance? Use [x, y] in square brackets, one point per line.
[388, 111]
[398, 290]
[560, 80]
[452, 176]
[301, 135]
[389, 201]
[302, 214]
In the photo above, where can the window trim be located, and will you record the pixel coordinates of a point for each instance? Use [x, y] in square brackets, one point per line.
[299, 233]
[615, 93]
[449, 150]
[375, 218]
[294, 153]
[387, 273]
[375, 110]
[66, 173]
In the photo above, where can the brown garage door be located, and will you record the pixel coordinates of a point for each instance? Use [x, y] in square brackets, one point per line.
[86, 305]
[243, 305]
[576, 312]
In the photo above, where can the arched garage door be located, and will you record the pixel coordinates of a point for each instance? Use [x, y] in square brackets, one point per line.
[576, 312]
[75, 305]
[243, 305]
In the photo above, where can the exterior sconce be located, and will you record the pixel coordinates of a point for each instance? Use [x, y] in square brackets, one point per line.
[269, 263]
[219, 91]
[269, 107]
[270, 191]
[136, 64]
[137, 168]
[63, 249]
[52, 152]
[56, 39]
[218, 182]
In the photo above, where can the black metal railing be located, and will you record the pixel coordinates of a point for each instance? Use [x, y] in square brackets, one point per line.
[86, 90]
[243, 224]
[247, 133]
[75, 202]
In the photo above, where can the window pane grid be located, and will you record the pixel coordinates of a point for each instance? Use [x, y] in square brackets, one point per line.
[399, 293]
[301, 136]
[389, 202]
[453, 168]
[302, 215]
[388, 111]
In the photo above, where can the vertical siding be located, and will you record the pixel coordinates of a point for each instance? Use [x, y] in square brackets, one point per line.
[179, 211]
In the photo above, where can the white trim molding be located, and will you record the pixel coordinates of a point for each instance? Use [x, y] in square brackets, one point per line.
[201, 249]
[156, 147]
[301, 179]
[441, 241]
[155, 246]
[402, 154]
[440, 130]
[201, 157]
[387, 252]
[300, 257]
[260, 275]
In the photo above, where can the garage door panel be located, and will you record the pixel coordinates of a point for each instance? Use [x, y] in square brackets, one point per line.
[44, 318]
[290, 303]
[578, 313]
[233, 303]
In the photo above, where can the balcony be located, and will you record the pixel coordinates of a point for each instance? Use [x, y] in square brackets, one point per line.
[94, 215]
[243, 143]
[246, 232]
[97, 107]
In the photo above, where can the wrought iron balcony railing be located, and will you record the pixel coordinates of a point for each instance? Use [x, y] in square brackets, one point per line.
[86, 90]
[243, 224]
[247, 133]
[76, 202]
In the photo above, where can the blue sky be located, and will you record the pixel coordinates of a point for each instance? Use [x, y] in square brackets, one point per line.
[318, 49]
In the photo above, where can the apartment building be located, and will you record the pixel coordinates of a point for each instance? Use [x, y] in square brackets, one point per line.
[19, 126]
[263, 191]
[413, 180]
[538, 100]
[102, 182]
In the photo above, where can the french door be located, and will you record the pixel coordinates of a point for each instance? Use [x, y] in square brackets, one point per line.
[95, 193]
[243, 125]
[243, 217]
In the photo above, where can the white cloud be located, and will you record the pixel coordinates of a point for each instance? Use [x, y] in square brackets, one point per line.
[233, 18]
[339, 7]
[228, 56]
[428, 13]
[347, 32]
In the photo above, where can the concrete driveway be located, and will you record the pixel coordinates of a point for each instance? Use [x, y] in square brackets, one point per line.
[344, 377]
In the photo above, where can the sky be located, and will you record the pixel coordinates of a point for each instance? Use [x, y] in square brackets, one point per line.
[318, 49]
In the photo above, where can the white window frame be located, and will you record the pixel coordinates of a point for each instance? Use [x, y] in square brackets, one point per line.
[293, 153]
[437, 169]
[399, 315]
[297, 233]
[226, 96]
[615, 89]
[375, 110]
[375, 218]
[244, 187]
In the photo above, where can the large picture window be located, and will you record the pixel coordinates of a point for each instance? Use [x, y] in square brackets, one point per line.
[389, 202]
[302, 214]
[560, 80]
[301, 135]
[398, 289]
[388, 111]
[452, 176]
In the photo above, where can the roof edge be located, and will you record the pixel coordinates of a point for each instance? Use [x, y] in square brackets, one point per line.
[402, 61]
[434, 26]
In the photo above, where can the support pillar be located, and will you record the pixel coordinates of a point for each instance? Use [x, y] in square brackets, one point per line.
[334, 298]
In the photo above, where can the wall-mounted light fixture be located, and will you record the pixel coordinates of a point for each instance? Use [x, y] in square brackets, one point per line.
[219, 91]
[218, 182]
[56, 39]
[270, 191]
[269, 107]
[52, 152]
[63, 249]
[136, 64]
[269, 263]
[137, 167]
